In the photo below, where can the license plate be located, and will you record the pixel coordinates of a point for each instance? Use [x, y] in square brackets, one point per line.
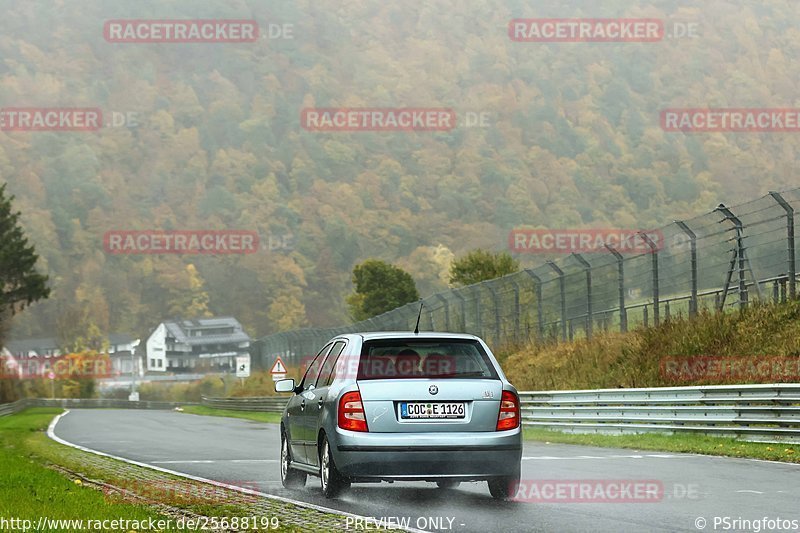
[431, 410]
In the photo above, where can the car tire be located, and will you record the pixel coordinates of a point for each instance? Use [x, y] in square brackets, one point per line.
[504, 487]
[290, 478]
[332, 482]
[448, 484]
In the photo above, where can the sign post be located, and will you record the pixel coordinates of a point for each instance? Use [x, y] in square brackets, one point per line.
[242, 368]
[278, 370]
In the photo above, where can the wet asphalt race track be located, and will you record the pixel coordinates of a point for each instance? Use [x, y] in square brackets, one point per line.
[246, 453]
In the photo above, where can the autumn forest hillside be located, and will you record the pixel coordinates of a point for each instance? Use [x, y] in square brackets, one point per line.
[209, 136]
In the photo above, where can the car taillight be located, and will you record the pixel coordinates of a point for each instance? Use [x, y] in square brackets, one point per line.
[509, 411]
[351, 412]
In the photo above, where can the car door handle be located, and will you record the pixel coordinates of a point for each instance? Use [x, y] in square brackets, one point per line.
[303, 405]
[320, 402]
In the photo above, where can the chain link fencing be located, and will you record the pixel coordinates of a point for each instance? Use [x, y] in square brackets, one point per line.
[731, 256]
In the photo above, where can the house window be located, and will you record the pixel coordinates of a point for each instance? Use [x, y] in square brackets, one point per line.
[152, 363]
[160, 363]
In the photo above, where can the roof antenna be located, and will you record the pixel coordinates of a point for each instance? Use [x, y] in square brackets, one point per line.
[416, 328]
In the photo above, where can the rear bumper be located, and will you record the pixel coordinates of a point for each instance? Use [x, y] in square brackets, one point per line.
[466, 456]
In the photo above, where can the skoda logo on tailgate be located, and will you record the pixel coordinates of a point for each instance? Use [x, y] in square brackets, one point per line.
[433, 389]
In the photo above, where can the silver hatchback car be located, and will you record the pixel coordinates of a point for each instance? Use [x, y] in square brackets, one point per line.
[402, 406]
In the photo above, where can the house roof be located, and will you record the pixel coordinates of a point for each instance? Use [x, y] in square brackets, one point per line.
[39, 345]
[180, 331]
[43, 344]
[119, 338]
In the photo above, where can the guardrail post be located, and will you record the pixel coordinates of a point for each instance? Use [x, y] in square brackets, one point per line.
[563, 298]
[623, 313]
[589, 318]
[775, 297]
[644, 315]
[666, 310]
[693, 265]
[654, 253]
[789, 241]
[539, 303]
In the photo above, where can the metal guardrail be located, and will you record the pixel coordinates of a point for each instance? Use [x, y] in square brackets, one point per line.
[750, 412]
[269, 404]
[85, 403]
[11, 408]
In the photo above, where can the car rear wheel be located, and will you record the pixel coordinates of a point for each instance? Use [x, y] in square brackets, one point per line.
[448, 484]
[504, 488]
[290, 478]
[333, 483]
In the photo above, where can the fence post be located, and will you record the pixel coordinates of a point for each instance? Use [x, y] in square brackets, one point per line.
[563, 298]
[539, 304]
[693, 265]
[457, 294]
[517, 310]
[441, 298]
[623, 313]
[739, 256]
[789, 241]
[654, 253]
[589, 318]
[478, 319]
[496, 302]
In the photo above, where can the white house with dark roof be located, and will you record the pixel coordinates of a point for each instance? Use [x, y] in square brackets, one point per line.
[196, 346]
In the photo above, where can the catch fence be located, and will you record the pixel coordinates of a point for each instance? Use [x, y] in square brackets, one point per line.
[731, 256]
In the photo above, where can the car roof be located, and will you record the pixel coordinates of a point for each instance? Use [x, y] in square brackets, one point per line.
[373, 335]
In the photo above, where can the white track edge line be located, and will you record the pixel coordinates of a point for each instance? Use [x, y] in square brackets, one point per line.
[51, 433]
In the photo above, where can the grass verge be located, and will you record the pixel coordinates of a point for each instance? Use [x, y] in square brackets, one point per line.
[36, 471]
[258, 416]
[30, 490]
[636, 358]
[681, 442]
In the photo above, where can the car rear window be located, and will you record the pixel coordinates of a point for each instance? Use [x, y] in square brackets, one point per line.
[424, 358]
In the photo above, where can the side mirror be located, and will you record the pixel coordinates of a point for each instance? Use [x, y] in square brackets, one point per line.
[284, 385]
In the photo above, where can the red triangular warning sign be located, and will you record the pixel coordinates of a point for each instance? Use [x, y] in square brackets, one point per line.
[278, 367]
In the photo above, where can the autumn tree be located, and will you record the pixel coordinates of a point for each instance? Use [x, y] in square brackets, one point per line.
[379, 287]
[481, 265]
